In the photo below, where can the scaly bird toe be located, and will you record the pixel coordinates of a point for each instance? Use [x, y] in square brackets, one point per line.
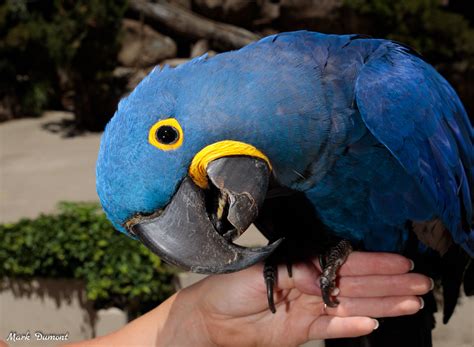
[330, 264]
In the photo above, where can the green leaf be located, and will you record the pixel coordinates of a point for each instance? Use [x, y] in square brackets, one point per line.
[79, 242]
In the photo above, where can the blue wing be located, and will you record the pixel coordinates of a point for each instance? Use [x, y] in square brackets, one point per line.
[415, 113]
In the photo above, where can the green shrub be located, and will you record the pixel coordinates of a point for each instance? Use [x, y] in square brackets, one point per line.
[79, 242]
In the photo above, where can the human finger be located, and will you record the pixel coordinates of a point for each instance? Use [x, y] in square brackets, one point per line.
[330, 327]
[373, 263]
[306, 279]
[391, 306]
[382, 285]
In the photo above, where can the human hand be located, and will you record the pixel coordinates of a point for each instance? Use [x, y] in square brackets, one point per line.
[234, 311]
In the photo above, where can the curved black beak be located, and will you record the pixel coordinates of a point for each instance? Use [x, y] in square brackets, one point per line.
[196, 228]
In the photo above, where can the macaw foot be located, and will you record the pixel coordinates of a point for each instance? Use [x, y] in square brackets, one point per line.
[330, 264]
[270, 275]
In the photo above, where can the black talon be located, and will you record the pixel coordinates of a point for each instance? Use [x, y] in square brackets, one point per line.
[269, 274]
[330, 264]
[327, 286]
[289, 268]
[322, 261]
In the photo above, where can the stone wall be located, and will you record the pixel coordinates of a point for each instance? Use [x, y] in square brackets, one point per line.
[51, 312]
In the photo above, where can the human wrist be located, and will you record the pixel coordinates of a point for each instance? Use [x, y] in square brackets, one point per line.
[185, 324]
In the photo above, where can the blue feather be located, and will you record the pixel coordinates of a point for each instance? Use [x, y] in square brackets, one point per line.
[411, 117]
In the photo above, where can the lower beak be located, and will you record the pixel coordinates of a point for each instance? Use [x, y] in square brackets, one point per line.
[195, 230]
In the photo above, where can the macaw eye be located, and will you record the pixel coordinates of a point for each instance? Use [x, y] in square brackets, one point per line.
[166, 134]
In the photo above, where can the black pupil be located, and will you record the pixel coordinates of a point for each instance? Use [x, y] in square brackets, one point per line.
[166, 134]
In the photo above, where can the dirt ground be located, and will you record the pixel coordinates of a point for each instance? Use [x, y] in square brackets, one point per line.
[39, 167]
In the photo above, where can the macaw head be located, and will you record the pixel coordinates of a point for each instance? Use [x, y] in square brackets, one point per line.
[185, 163]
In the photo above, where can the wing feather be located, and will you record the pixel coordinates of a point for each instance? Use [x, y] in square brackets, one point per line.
[416, 114]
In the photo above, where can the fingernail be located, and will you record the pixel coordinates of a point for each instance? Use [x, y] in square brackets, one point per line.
[412, 267]
[377, 324]
[432, 284]
[335, 292]
[422, 302]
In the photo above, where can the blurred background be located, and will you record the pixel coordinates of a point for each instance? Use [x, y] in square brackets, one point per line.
[64, 65]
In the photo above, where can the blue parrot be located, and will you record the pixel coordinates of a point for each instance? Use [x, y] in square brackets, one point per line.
[361, 134]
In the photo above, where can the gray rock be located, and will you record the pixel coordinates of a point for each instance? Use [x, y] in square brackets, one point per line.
[131, 75]
[304, 9]
[174, 62]
[238, 12]
[182, 3]
[199, 48]
[142, 46]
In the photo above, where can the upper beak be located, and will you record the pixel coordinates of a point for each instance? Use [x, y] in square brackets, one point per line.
[195, 230]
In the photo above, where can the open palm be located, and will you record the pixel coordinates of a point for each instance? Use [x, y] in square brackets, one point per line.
[371, 285]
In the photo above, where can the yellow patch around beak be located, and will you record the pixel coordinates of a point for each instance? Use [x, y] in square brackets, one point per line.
[226, 148]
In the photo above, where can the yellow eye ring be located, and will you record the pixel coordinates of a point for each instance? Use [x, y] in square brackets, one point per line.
[166, 134]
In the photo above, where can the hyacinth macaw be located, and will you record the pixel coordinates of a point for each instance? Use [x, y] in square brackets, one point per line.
[301, 133]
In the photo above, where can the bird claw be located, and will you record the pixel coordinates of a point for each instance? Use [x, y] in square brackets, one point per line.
[269, 274]
[330, 265]
[289, 268]
[327, 286]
